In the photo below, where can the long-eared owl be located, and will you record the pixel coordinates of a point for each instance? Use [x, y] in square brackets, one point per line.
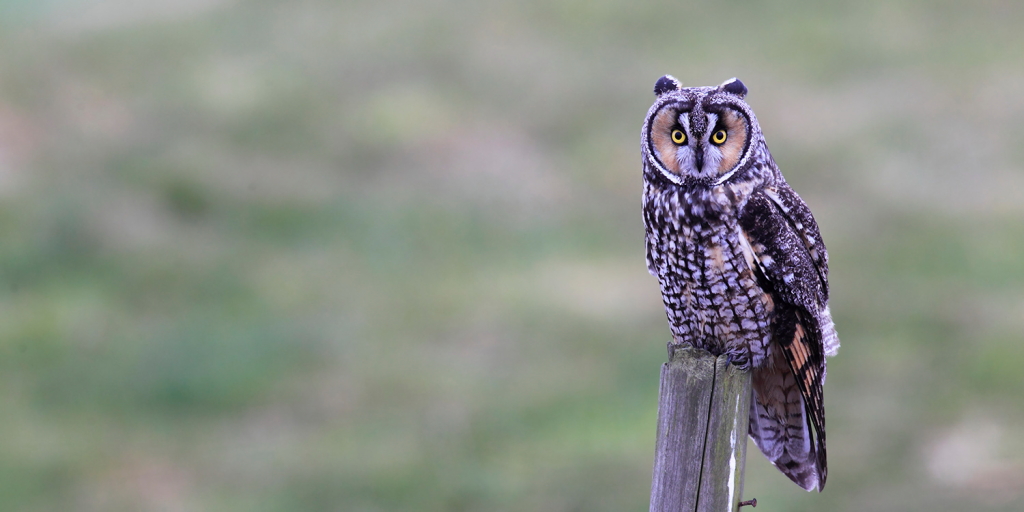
[742, 266]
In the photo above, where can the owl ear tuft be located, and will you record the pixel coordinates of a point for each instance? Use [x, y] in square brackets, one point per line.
[667, 83]
[734, 86]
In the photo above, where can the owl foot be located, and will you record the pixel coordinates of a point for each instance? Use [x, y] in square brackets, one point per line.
[742, 361]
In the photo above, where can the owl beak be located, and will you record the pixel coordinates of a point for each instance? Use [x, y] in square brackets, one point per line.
[699, 159]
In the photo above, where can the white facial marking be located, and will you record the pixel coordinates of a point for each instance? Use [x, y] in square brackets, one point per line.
[712, 154]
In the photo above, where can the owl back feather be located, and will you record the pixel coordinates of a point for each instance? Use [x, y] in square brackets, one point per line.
[780, 427]
[787, 413]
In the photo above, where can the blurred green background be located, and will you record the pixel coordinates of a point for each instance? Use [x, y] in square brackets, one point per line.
[375, 256]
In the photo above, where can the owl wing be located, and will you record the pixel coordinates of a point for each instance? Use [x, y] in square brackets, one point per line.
[793, 259]
[791, 265]
[799, 218]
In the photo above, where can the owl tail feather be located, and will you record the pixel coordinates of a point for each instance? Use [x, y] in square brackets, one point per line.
[780, 426]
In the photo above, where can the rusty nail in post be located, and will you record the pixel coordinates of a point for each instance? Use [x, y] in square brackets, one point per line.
[751, 502]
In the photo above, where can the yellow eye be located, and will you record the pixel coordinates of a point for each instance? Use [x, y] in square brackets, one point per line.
[678, 137]
[718, 137]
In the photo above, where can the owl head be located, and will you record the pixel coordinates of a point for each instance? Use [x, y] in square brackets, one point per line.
[699, 134]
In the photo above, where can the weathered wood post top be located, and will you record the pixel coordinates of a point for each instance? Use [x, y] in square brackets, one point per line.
[703, 416]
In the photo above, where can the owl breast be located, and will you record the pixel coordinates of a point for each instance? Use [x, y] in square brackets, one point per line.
[712, 297]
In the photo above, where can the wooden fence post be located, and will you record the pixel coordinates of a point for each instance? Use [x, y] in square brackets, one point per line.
[703, 413]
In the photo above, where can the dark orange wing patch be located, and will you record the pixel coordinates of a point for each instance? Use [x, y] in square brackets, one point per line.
[801, 344]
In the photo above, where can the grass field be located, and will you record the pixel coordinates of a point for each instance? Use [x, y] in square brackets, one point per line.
[388, 256]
